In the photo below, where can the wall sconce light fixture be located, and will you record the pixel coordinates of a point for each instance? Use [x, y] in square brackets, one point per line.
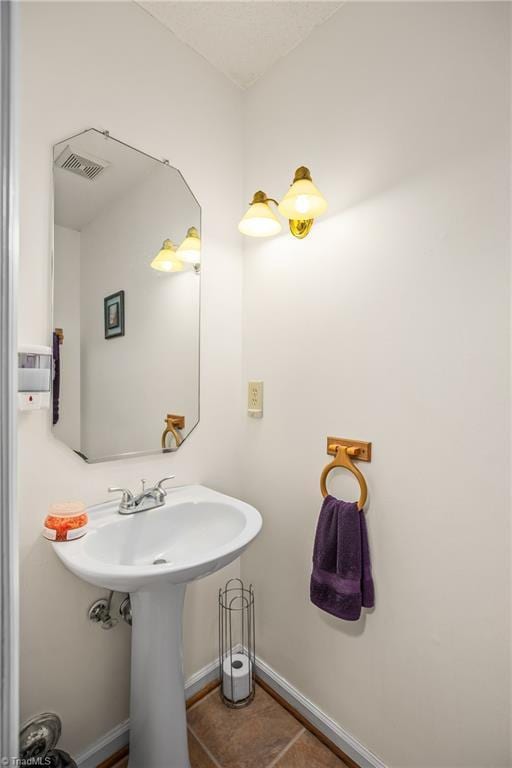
[260, 220]
[190, 249]
[301, 205]
[166, 259]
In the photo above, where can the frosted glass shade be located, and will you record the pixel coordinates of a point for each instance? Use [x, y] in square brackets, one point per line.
[303, 201]
[166, 259]
[190, 249]
[260, 221]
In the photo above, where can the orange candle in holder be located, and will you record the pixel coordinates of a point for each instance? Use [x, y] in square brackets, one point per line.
[66, 521]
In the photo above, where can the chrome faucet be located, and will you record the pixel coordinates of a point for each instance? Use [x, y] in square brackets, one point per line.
[146, 499]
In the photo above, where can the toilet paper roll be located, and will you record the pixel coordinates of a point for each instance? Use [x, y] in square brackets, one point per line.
[236, 677]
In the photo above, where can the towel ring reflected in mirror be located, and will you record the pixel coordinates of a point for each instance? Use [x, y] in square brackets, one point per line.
[342, 459]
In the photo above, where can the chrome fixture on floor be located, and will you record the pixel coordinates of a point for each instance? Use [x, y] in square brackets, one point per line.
[38, 741]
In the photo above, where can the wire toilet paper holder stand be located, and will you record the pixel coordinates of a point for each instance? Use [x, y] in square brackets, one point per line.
[237, 636]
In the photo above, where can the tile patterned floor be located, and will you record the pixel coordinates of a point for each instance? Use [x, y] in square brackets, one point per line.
[262, 735]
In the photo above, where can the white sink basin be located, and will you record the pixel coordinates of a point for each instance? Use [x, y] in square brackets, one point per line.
[196, 532]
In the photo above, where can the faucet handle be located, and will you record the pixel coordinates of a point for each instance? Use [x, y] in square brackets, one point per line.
[127, 495]
[159, 485]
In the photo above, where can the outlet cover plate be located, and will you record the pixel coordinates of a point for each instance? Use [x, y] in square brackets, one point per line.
[255, 399]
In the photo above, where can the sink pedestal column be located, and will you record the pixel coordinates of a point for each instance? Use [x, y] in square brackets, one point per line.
[158, 725]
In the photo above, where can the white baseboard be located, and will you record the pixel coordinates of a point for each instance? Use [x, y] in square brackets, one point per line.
[200, 679]
[118, 737]
[104, 747]
[334, 732]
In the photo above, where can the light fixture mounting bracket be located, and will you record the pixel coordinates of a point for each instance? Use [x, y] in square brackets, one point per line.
[302, 173]
[300, 227]
[261, 197]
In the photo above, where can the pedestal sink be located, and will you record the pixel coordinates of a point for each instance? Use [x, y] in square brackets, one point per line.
[152, 555]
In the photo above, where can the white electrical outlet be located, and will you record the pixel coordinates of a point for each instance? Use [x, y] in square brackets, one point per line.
[255, 399]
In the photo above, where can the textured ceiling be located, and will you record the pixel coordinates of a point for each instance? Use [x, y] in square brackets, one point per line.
[241, 39]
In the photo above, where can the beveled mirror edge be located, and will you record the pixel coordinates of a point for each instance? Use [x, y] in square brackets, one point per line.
[138, 454]
[164, 161]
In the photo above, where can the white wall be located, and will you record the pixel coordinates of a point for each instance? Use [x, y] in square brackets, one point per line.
[134, 84]
[389, 323]
[66, 298]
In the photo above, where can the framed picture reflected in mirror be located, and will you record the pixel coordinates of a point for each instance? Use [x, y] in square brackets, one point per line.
[114, 315]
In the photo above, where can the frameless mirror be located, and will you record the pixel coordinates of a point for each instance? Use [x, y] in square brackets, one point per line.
[126, 300]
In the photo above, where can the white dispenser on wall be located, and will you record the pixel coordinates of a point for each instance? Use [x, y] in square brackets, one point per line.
[34, 377]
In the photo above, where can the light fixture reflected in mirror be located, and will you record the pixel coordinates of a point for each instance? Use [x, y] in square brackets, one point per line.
[166, 259]
[190, 249]
[260, 220]
[302, 203]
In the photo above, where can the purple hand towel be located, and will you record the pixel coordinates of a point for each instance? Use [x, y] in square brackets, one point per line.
[56, 379]
[341, 582]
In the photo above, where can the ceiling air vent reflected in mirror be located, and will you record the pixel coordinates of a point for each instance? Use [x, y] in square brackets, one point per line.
[87, 167]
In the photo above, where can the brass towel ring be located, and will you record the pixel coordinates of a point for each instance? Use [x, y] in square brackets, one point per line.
[174, 424]
[342, 459]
